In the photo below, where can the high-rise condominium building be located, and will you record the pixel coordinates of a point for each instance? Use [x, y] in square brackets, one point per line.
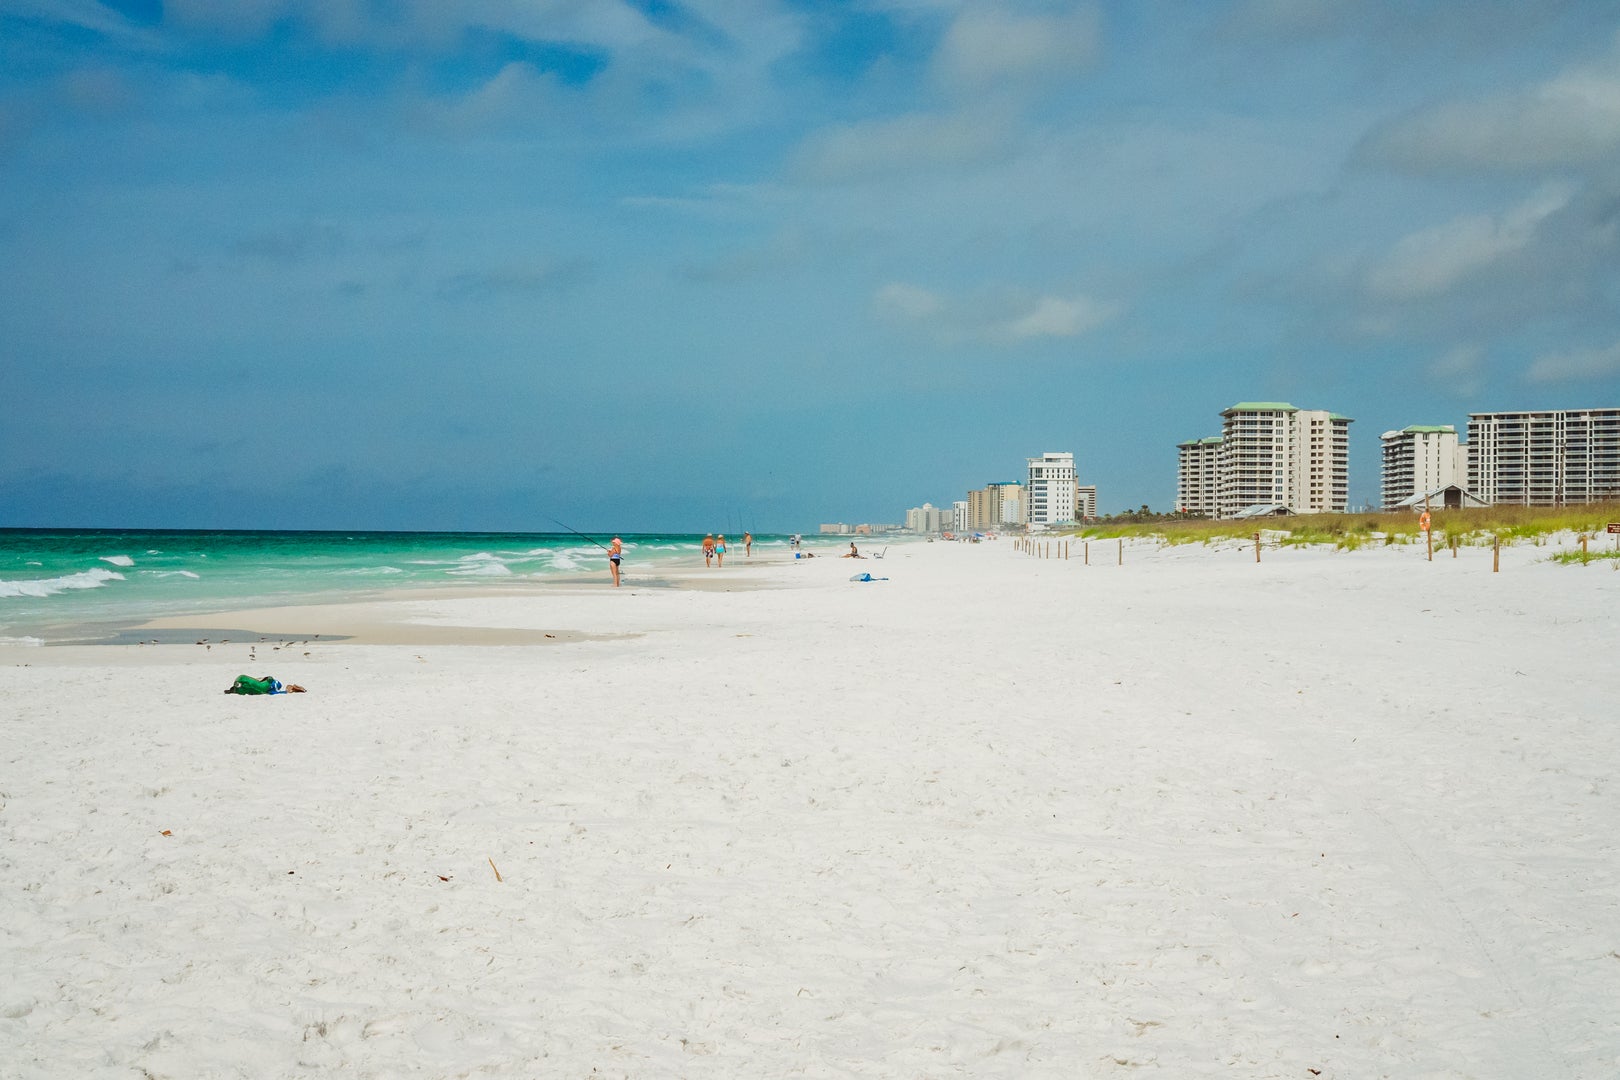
[1050, 494]
[1421, 459]
[1544, 458]
[1085, 502]
[927, 518]
[1198, 477]
[1269, 454]
[995, 505]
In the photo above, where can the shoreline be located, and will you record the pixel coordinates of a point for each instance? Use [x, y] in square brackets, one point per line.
[376, 616]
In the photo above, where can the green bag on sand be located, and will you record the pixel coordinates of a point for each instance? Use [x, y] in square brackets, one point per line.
[247, 684]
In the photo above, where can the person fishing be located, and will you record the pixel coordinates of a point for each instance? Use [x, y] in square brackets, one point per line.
[615, 553]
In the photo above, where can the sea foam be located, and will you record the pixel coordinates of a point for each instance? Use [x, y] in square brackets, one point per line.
[41, 587]
[118, 560]
[489, 569]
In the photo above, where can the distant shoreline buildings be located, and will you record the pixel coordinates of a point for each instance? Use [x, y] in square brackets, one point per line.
[1272, 458]
[1049, 495]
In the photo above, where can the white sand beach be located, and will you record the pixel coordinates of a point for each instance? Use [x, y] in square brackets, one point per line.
[1345, 815]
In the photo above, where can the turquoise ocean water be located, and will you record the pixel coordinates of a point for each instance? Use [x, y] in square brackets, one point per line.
[54, 584]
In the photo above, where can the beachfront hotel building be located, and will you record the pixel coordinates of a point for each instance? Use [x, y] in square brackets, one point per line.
[1050, 496]
[1198, 477]
[1421, 459]
[1085, 502]
[996, 505]
[927, 518]
[1269, 454]
[1546, 458]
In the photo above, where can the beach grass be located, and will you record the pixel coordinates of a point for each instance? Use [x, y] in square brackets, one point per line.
[1471, 527]
[1584, 557]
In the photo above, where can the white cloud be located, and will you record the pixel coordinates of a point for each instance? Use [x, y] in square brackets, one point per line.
[1430, 262]
[907, 301]
[995, 319]
[1060, 317]
[902, 144]
[607, 24]
[1296, 16]
[514, 94]
[1571, 366]
[986, 47]
[86, 14]
[1461, 368]
[1572, 119]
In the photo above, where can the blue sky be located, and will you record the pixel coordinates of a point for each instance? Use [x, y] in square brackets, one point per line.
[697, 265]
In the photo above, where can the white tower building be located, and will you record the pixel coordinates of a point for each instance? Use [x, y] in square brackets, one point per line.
[1050, 491]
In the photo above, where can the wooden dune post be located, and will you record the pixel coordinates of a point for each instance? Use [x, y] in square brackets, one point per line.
[1496, 555]
[1256, 547]
[1122, 551]
[1085, 551]
[1452, 540]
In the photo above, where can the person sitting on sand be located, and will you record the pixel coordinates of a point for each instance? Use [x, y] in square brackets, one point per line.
[708, 549]
[854, 552]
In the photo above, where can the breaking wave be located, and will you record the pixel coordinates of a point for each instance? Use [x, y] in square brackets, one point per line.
[41, 587]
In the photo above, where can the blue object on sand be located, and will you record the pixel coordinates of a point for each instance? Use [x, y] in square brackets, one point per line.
[867, 577]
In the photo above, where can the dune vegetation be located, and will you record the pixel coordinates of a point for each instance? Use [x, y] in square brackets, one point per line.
[1480, 526]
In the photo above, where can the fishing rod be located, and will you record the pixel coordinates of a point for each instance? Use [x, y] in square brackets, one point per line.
[576, 532]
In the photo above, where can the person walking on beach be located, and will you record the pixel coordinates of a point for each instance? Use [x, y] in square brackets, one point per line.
[708, 549]
[720, 551]
[748, 545]
[615, 557]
